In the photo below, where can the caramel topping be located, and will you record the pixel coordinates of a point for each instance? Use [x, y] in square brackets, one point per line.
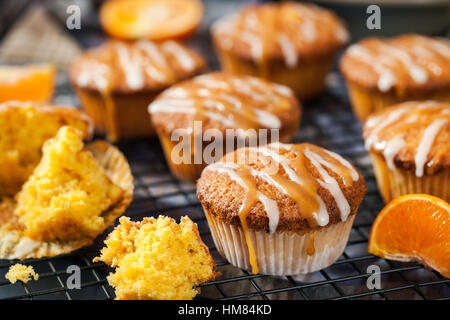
[401, 62]
[288, 169]
[236, 101]
[288, 30]
[414, 133]
[132, 66]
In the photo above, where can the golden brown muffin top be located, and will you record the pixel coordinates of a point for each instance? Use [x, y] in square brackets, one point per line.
[411, 135]
[287, 31]
[225, 101]
[281, 187]
[403, 64]
[135, 66]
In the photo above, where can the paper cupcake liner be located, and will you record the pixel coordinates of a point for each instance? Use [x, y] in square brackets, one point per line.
[281, 253]
[397, 182]
[307, 80]
[14, 245]
[120, 116]
[365, 102]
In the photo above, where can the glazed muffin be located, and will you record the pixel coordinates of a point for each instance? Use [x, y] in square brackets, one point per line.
[116, 81]
[157, 259]
[288, 43]
[24, 127]
[384, 72]
[281, 209]
[197, 121]
[409, 145]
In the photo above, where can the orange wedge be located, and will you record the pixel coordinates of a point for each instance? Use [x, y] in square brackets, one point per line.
[414, 227]
[27, 83]
[151, 19]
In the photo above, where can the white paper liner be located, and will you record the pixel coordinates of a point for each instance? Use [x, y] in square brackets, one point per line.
[281, 253]
[397, 182]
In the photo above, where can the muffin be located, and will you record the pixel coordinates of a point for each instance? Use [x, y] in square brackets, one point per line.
[384, 72]
[73, 195]
[281, 209]
[197, 121]
[157, 259]
[288, 43]
[24, 127]
[116, 81]
[410, 149]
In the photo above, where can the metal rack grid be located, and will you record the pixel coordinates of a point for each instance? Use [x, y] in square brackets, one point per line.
[327, 122]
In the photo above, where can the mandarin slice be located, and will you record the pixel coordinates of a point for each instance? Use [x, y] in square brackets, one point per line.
[151, 19]
[27, 83]
[414, 227]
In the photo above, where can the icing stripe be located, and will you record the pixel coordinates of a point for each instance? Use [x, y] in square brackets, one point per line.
[426, 143]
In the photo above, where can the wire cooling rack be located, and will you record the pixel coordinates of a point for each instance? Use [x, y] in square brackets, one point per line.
[327, 122]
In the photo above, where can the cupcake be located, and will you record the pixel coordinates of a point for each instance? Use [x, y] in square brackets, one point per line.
[384, 72]
[201, 119]
[289, 43]
[116, 81]
[409, 145]
[281, 209]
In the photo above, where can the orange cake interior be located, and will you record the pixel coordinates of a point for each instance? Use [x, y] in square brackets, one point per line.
[157, 259]
[23, 130]
[67, 193]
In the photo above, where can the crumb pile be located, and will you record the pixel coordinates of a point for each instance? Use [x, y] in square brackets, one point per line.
[22, 273]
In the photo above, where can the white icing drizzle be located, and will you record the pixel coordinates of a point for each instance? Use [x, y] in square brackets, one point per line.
[386, 78]
[392, 117]
[270, 206]
[345, 163]
[391, 149]
[426, 143]
[130, 66]
[255, 43]
[288, 49]
[417, 73]
[181, 54]
[329, 183]
[95, 72]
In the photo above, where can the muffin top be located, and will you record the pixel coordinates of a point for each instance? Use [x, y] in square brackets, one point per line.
[281, 187]
[221, 101]
[412, 136]
[287, 31]
[128, 67]
[403, 64]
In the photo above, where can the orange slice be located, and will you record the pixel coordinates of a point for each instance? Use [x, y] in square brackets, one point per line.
[414, 227]
[27, 83]
[151, 19]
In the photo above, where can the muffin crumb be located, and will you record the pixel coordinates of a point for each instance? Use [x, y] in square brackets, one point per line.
[22, 273]
[157, 259]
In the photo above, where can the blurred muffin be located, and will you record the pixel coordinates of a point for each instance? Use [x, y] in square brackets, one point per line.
[24, 127]
[116, 81]
[410, 149]
[289, 43]
[281, 209]
[384, 72]
[216, 109]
